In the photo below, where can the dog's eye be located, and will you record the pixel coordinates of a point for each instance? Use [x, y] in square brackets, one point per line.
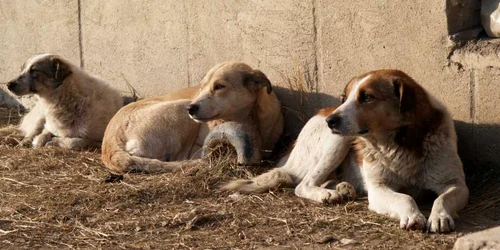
[34, 73]
[366, 98]
[219, 86]
[342, 98]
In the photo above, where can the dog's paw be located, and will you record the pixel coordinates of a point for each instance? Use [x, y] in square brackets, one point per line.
[412, 221]
[440, 223]
[57, 142]
[330, 197]
[41, 140]
[26, 142]
[346, 190]
[52, 143]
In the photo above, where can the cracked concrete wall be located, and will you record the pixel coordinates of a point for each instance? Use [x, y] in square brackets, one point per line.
[160, 46]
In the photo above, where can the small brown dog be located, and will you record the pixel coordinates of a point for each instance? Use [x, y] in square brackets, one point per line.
[157, 134]
[73, 109]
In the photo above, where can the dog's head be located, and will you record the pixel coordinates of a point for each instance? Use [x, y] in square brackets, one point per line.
[228, 92]
[379, 103]
[41, 74]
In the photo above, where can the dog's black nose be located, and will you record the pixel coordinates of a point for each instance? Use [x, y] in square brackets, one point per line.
[11, 84]
[192, 109]
[333, 121]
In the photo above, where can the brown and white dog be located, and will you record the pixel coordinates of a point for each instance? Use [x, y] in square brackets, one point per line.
[73, 109]
[392, 140]
[157, 134]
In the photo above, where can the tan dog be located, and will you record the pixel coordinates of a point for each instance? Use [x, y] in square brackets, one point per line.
[74, 107]
[157, 134]
[405, 142]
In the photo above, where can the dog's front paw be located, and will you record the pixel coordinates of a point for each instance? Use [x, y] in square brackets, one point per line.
[440, 223]
[330, 197]
[41, 140]
[346, 190]
[26, 142]
[412, 221]
[52, 143]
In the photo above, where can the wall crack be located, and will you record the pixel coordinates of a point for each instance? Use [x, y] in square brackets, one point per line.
[317, 55]
[80, 35]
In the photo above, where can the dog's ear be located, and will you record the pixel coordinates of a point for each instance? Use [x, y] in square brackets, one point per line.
[60, 68]
[256, 79]
[406, 92]
[414, 103]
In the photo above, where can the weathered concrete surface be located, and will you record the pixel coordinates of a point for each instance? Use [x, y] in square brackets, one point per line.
[32, 27]
[484, 240]
[143, 42]
[478, 55]
[274, 36]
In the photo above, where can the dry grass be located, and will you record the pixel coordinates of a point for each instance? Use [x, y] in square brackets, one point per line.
[299, 86]
[9, 116]
[52, 198]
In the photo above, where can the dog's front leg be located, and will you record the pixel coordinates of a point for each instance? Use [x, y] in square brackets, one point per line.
[384, 200]
[32, 124]
[30, 136]
[451, 199]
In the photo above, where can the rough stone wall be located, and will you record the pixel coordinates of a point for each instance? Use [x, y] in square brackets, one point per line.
[162, 45]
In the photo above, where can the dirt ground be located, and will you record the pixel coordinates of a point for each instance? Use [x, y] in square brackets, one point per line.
[52, 198]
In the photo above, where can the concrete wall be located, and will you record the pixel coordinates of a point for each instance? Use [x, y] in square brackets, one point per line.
[163, 45]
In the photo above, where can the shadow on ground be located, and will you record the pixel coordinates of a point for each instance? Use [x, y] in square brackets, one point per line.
[482, 170]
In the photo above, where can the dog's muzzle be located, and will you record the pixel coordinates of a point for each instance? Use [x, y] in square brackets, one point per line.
[192, 109]
[333, 121]
[12, 85]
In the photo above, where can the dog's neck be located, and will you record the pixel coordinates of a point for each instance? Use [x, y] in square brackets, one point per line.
[65, 101]
[245, 118]
[409, 139]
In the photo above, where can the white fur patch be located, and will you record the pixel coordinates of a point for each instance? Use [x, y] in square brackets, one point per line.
[348, 107]
[354, 92]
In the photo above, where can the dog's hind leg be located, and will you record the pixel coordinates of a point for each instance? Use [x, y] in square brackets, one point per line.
[310, 187]
[331, 155]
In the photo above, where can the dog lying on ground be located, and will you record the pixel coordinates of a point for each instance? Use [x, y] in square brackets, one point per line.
[73, 109]
[159, 135]
[391, 139]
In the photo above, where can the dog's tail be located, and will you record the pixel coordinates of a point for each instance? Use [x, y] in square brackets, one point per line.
[271, 180]
[123, 162]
